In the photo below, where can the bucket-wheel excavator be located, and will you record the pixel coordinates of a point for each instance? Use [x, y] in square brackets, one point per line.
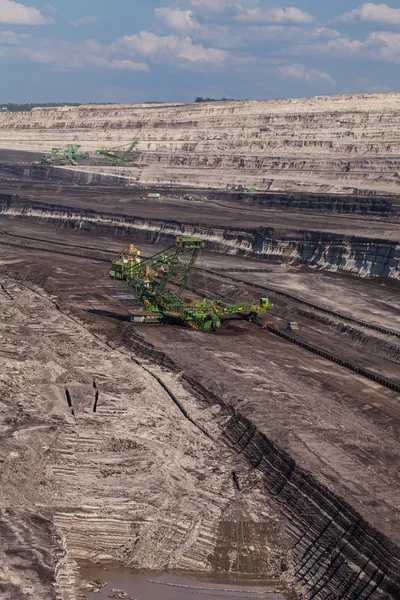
[160, 281]
[119, 155]
[66, 156]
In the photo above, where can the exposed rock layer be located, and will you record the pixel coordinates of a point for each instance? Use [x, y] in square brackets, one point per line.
[325, 143]
[350, 203]
[361, 256]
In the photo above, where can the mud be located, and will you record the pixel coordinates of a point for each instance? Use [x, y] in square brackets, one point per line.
[156, 586]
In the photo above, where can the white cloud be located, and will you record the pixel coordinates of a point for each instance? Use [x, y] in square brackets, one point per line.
[51, 7]
[383, 45]
[341, 46]
[379, 88]
[170, 47]
[178, 20]
[241, 31]
[19, 14]
[210, 6]
[273, 15]
[183, 22]
[64, 55]
[250, 11]
[379, 45]
[325, 32]
[84, 21]
[373, 13]
[127, 65]
[301, 73]
[8, 38]
[289, 35]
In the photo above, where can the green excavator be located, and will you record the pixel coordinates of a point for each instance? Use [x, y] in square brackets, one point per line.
[119, 155]
[65, 156]
[69, 155]
[160, 281]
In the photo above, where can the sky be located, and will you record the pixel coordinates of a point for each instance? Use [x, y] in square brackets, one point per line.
[176, 50]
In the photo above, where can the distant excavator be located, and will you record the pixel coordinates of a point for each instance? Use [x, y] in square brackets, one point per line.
[69, 155]
[160, 281]
[66, 156]
[120, 155]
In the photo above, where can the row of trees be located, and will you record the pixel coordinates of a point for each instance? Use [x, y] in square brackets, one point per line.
[11, 107]
[200, 99]
[27, 107]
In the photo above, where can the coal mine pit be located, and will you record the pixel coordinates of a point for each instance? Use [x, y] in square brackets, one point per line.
[159, 460]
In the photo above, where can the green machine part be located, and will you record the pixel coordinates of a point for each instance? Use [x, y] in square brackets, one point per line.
[67, 156]
[160, 281]
[118, 155]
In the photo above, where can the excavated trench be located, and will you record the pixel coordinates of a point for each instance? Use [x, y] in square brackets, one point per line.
[351, 203]
[336, 553]
[358, 338]
[357, 255]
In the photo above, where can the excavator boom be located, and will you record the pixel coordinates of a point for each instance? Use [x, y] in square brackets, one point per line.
[160, 281]
[66, 156]
[119, 154]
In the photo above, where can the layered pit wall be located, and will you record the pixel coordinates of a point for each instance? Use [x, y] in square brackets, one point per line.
[35, 560]
[337, 144]
[349, 203]
[336, 553]
[363, 204]
[166, 433]
[330, 251]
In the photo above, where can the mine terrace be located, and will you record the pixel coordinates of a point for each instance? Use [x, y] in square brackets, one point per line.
[221, 415]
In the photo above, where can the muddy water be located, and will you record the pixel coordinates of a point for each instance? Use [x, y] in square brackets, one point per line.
[162, 586]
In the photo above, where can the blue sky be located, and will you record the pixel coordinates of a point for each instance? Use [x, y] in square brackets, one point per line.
[152, 50]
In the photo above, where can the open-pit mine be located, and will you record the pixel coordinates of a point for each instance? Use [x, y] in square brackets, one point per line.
[245, 443]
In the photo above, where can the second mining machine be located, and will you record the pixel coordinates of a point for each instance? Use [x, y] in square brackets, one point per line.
[160, 281]
[119, 155]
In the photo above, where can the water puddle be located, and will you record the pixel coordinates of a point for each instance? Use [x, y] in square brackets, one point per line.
[124, 584]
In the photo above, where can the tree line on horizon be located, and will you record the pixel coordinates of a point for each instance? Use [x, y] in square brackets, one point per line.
[201, 99]
[14, 107]
[11, 107]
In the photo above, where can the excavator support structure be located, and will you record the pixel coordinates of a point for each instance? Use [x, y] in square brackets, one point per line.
[160, 281]
[119, 155]
[65, 156]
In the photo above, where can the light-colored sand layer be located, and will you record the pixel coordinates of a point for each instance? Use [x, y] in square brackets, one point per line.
[338, 144]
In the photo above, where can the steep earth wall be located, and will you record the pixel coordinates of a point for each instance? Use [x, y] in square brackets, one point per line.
[163, 431]
[336, 553]
[350, 203]
[361, 256]
[317, 144]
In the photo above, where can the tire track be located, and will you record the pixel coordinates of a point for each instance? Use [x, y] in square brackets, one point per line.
[305, 345]
[331, 357]
[317, 307]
